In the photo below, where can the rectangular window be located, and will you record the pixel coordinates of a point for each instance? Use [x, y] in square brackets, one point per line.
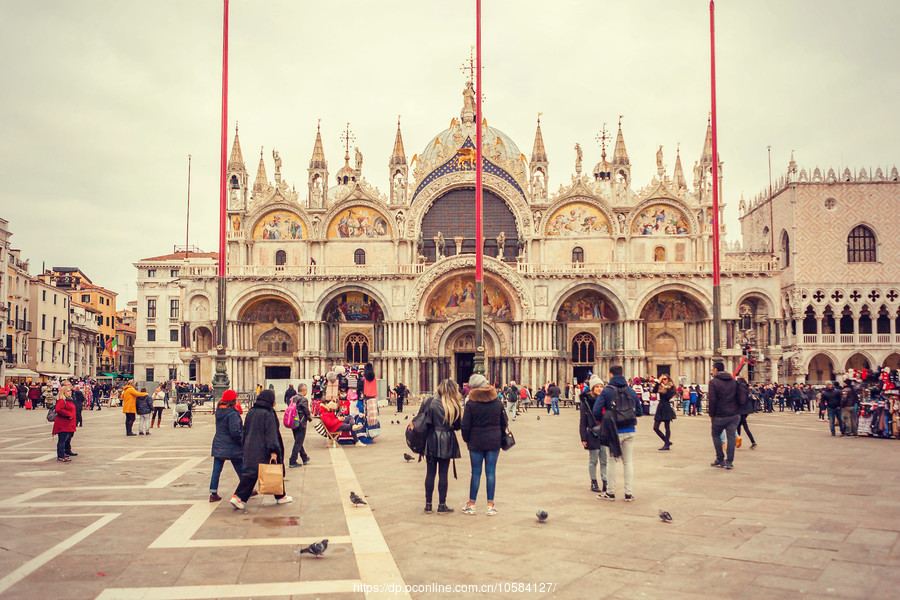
[151, 308]
[150, 374]
[64, 328]
[54, 326]
[173, 309]
[151, 335]
[43, 322]
[44, 295]
[151, 272]
[173, 273]
[86, 298]
[173, 335]
[42, 351]
[54, 297]
[107, 321]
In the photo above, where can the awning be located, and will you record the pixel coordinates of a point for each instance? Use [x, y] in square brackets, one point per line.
[124, 376]
[20, 373]
[109, 374]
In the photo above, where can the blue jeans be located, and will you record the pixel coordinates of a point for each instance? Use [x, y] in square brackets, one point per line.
[64, 444]
[554, 402]
[489, 458]
[685, 407]
[834, 416]
[218, 463]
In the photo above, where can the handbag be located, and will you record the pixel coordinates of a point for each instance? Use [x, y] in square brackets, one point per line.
[271, 478]
[507, 440]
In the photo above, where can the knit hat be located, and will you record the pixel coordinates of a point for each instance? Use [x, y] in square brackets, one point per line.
[229, 395]
[477, 380]
[595, 381]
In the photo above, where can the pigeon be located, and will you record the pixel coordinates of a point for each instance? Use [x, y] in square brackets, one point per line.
[539, 417]
[542, 516]
[408, 457]
[665, 516]
[317, 549]
[356, 500]
[406, 418]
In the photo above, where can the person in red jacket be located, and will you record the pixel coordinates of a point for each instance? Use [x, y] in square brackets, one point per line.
[64, 425]
[333, 423]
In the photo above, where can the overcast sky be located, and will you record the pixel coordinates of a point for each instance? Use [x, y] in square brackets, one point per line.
[102, 101]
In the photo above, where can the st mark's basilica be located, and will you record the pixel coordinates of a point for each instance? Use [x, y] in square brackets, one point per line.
[599, 271]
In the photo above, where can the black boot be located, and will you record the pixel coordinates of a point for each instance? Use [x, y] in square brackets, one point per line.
[594, 486]
[428, 510]
[604, 485]
[443, 508]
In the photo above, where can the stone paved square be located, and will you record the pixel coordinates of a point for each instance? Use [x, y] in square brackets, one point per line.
[803, 515]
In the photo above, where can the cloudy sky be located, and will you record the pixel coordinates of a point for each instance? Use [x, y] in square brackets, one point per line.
[103, 100]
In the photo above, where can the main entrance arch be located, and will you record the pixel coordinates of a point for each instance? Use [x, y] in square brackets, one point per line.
[673, 336]
[590, 320]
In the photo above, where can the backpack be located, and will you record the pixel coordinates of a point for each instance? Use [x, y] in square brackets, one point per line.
[416, 430]
[290, 416]
[623, 407]
[745, 403]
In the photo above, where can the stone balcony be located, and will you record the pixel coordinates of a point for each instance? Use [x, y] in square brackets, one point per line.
[847, 339]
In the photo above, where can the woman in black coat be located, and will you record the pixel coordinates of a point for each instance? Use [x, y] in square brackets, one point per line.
[443, 416]
[262, 444]
[591, 442]
[664, 391]
[227, 443]
[483, 425]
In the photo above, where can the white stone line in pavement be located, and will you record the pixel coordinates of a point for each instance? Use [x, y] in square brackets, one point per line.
[139, 455]
[43, 558]
[252, 590]
[164, 480]
[374, 560]
[179, 533]
[54, 515]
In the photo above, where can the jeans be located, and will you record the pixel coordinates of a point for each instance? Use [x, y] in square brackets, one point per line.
[601, 454]
[511, 410]
[63, 443]
[834, 416]
[548, 406]
[626, 440]
[554, 402]
[348, 426]
[729, 426]
[129, 423]
[218, 463]
[399, 404]
[144, 423]
[685, 407]
[489, 458]
[299, 437]
[439, 467]
[848, 415]
[95, 401]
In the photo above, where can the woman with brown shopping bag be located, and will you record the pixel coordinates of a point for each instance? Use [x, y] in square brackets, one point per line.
[262, 446]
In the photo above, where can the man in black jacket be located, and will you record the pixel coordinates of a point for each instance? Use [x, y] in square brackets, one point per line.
[832, 399]
[724, 412]
[849, 399]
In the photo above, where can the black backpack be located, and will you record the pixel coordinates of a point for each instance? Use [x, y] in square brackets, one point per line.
[623, 407]
[416, 430]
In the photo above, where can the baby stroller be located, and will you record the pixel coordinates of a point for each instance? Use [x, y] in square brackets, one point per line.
[183, 415]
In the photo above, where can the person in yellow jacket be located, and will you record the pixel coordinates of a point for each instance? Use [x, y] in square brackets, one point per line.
[129, 406]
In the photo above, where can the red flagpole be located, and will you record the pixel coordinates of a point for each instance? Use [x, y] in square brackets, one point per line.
[223, 162]
[717, 312]
[479, 366]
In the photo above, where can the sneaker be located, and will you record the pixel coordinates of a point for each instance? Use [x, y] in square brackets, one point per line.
[66, 459]
[148, 433]
[236, 502]
[140, 433]
[292, 465]
[360, 444]
[444, 509]
[357, 427]
[491, 511]
[130, 434]
[428, 510]
[717, 463]
[607, 496]
[305, 462]
[285, 500]
[254, 493]
[629, 498]
[469, 509]
[729, 466]
[753, 445]
[71, 454]
[595, 487]
[214, 497]
[664, 448]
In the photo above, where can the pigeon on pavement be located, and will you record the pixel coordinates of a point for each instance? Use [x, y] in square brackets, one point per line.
[317, 549]
[408, 457]
[356, 500]
[542, 515]
[539, 417]
[665, 516]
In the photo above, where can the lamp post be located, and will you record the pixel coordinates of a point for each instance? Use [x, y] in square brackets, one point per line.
[220, 381]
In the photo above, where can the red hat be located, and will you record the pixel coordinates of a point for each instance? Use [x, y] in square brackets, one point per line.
[229, 395]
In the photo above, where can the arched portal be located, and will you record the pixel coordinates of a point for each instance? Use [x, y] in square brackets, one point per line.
[674, 335]
[892, 361]
[858, 361]
[444, 217]
[268, 309]
[356, 349]
[821, 370]
[590, 313]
